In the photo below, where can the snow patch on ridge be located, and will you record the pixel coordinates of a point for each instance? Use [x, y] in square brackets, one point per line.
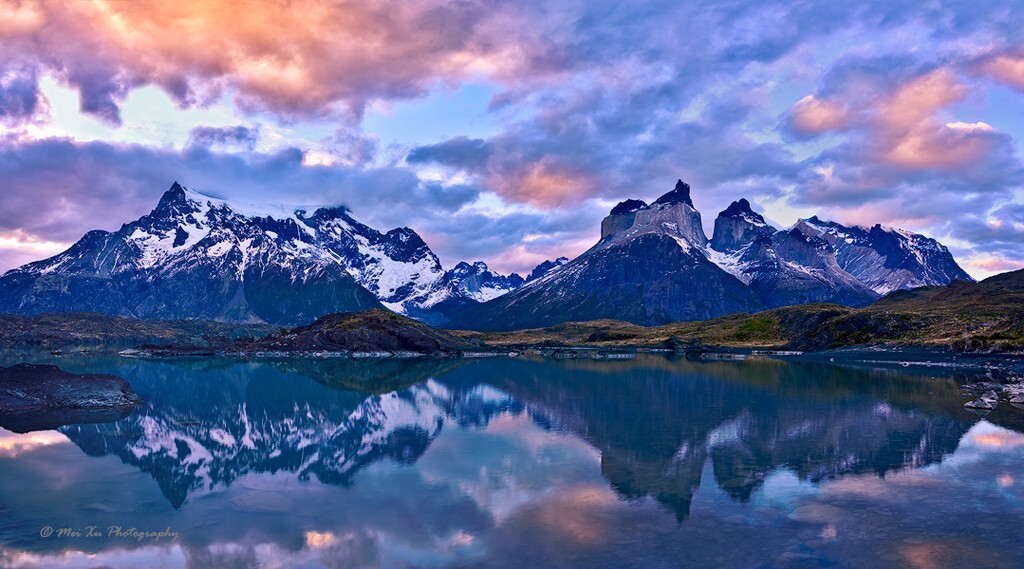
[730, 262]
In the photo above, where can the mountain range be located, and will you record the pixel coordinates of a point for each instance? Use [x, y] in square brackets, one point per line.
[200, 257]
[655, 265]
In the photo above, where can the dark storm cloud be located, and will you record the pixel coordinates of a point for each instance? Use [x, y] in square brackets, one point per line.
[225, 138]
[459, 152]
[19, 94]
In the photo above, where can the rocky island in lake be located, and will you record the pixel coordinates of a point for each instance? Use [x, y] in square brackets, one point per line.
[44, 396]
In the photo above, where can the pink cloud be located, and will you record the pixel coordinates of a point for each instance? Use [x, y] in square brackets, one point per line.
[1006, 68]
[289, 57]
[18, 247]
[545, 183]
[910, 133]
[918, 99]
[904, 126]
[937, 146]
[813, 116]
[523, 257]
[991, 264]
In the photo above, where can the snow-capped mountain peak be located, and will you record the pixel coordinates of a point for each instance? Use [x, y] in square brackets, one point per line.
[886, 258]
[474, 282]
[199, 256]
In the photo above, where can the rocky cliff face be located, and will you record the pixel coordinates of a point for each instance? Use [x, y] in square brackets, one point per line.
[783, 267]
[737, 226]
[672, 214]
[654, 265]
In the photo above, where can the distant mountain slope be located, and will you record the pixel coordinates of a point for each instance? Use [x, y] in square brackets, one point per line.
[655, 265]
[370, 331]
[545, 268]
[887, 259]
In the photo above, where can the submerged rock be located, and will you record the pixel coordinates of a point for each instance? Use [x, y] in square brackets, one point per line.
[31, 388]
[988, 400]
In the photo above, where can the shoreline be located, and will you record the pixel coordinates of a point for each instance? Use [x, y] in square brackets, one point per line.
[911, 358]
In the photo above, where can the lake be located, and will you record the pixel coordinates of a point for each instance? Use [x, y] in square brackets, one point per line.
[524, 462]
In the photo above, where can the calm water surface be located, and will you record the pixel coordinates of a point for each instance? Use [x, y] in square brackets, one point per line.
[518, 463]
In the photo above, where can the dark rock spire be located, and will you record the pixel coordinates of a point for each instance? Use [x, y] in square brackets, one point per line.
[681, 194]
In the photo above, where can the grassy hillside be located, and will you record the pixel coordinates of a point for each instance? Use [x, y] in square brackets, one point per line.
[965, 316]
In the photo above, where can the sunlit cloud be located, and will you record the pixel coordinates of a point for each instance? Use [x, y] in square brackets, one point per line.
[991, 265]
[1006, 68]
[12, 444]
[812, 115]
[295, 58]
[320, 539]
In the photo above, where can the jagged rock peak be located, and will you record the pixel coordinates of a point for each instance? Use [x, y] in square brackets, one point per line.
[740, 210]
[737, 226]
[546, 267]
[174, 201]
[737, 208]
[809, 238]
[176, 193]
[680, 194]
[628, 206]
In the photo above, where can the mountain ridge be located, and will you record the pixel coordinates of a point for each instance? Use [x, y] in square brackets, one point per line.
[653, 264]
[203, 257]
[196, 256]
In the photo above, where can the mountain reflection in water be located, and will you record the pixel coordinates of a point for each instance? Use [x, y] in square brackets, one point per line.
[647, 462]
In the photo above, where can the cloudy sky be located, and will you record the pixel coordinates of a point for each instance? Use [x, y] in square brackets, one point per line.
[505, 130]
